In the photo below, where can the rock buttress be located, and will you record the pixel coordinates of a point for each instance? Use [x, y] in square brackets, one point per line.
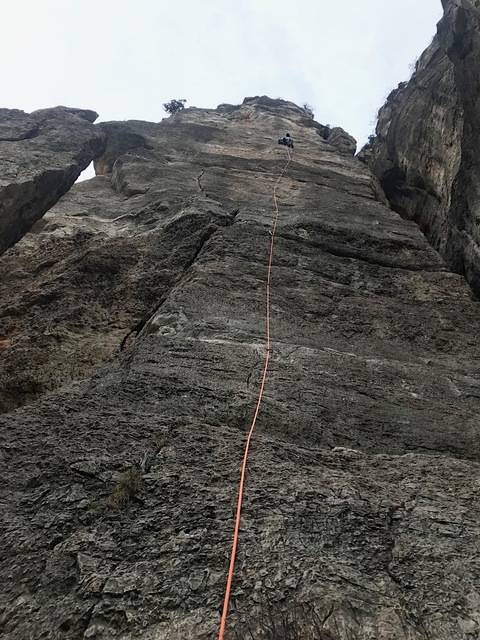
[360, 505]
[459, 32]
[41, 156]
[416, 152]
[426, 151]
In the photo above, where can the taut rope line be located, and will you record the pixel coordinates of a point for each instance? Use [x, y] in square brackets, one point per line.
[257, 408]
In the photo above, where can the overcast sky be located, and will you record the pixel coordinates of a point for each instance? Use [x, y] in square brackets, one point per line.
[124, 58]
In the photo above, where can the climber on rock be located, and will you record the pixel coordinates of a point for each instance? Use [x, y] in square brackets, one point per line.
[287, 140]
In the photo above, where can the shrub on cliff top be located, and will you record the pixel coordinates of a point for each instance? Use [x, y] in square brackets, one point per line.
[174, 105]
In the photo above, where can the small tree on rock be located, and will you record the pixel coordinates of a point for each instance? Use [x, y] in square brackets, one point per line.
[174, 105]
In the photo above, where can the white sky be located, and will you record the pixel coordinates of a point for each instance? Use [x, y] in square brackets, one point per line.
[124, 58]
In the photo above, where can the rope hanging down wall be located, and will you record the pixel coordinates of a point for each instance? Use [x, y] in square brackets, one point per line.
[257, 408]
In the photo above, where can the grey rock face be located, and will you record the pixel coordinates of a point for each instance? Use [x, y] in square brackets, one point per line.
[80, 284]
[88, 274]
[417, 150]
[427, 146]
[459, 32]
[119, 491]
[41, 156]
[343, 141]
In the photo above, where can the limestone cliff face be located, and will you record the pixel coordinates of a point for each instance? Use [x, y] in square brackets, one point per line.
[416, 153]
[107, 254]
[41, 156]
[459, 33]
[426, 149]
[119, 489]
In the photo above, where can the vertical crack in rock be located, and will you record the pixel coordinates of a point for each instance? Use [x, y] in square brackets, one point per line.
[391, 548]
[199, 180]
[135, 332]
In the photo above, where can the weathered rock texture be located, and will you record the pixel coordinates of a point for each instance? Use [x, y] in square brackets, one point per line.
[426, 153]
[108, 253]
[416, 153]
[73, 290]
[459, 33]
[343, 141]
[119, 491]
[41, 156]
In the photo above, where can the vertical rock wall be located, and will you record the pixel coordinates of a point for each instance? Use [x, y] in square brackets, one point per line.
[426, 151]
[361, 510]
[41, 156]
[459, 33]
[416, 153]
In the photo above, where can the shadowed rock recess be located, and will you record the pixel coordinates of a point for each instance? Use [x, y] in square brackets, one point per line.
[361, 510]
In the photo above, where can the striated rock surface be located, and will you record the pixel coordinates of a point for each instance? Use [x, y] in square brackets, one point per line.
[343, 141]
[459, 32]
[118, 492]
[41, 156]
[426, 151]
[417, 150]
[76, 289]
[108, 253]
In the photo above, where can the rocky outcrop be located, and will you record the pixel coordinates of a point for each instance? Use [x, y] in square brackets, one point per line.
[119, 490]
[343, 141]
[41, 156]
[88, 274]
[77, 288]
[459, 33]
[416, 152]
[336, 136]
[426, 147]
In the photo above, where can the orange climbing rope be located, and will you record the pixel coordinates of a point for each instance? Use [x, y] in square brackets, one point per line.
[257, 408]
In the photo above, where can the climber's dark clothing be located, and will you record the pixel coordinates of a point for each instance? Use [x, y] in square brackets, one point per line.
[286, 141]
